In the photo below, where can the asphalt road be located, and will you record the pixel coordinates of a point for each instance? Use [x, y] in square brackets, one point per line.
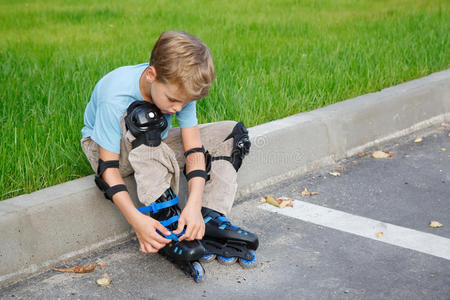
[301, 259]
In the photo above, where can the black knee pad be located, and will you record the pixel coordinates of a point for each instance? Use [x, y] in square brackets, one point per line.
[146, 122]
[241, 146]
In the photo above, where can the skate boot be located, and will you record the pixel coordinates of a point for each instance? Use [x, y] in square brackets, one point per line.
[185, 254]
[227, 242]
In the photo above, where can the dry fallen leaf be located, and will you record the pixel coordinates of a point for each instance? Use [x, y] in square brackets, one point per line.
[271, 200]
[362, 154]
[446, 125]
[335, 174]
[379, 235]
[435, 224]
[339, 169]
[77, 269]
[280, 202]
[294, 190]
[307, 193]
[286, 202]
[105, 280]
[418, 140]
[380, 154]
[443, 149]
[102, 265]
[262, 200]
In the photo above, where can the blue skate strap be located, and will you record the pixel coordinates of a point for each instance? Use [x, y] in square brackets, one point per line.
[169, 221]
[221, 219]
[155, 207]
[172, 236]
[225, 220]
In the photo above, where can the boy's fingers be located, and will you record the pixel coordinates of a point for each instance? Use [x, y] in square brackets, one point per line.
[195, 232]
[147, 248]
[141, 247]
[188, 233]
[156, 245]
[162, 229]
[180, 226]
[200, 234]
[160, 239]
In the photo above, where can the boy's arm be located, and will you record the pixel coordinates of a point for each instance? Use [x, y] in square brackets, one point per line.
[144, 226]
[191, 215]
[195, 161]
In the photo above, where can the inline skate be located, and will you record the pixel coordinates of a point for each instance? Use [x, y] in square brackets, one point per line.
[227, 242]
[185, 254]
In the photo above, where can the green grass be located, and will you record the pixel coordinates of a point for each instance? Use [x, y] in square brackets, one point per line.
[273, 59]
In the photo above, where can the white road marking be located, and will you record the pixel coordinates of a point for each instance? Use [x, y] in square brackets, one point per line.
[395, 235]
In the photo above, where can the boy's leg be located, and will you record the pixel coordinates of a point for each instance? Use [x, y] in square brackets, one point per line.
[92, 152]
[163, 160]
[155, 168]
[220, 190]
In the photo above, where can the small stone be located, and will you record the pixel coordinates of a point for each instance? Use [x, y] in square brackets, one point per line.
[380, 154]
[435, 224]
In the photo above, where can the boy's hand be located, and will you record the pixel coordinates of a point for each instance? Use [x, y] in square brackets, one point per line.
[192, 217]
[150, 241]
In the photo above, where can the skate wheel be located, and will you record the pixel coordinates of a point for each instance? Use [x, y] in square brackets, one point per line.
[208, 258]
[248, 263]
[226, 260]
[199, 272]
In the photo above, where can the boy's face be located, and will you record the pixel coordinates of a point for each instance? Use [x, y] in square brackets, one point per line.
[167, 97]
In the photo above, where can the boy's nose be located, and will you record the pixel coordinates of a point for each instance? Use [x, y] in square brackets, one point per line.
[178, 108]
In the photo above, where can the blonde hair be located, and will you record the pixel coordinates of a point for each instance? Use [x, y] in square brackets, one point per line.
[184, 60]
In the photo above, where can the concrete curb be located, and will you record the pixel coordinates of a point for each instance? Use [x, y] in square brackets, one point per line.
[46, 227]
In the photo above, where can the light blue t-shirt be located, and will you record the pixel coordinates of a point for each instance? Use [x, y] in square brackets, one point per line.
[109, 101]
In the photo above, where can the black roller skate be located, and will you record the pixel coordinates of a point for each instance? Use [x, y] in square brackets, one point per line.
[226, 241]
[185, 254]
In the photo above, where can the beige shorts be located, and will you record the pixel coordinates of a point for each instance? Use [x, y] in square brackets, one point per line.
[157, 168]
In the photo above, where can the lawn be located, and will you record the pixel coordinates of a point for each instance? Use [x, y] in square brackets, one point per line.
[273, 59]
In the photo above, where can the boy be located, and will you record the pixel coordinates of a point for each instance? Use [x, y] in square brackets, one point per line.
[127, 118]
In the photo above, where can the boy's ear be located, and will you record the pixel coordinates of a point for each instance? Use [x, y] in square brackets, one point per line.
[150, 73]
